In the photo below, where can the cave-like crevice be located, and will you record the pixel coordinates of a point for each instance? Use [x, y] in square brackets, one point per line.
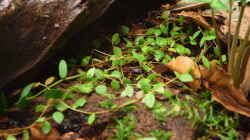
[121, 12]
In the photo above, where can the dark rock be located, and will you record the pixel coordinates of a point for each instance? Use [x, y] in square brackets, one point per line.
[31, 30]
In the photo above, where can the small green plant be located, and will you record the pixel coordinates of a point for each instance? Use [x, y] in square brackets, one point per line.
[125, 128]
[238, 52]
[127, 73]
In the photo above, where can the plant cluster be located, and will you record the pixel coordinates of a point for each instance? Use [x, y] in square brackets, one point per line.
[107, 75]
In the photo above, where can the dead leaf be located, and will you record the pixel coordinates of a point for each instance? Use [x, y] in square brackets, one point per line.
[137, 30]
[70, 136]
[235, 16]
[184, 5]
[198, 18]
[224, 92]
[49, 81]
[184, 64]
[166, 6]
[37, 134]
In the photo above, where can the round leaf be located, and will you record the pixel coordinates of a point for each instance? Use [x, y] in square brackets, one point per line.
[101, 89]
[79, 103]
[91, 119]
[149, 100]
[63, 69]
[58, 117]
[46, 127]
[10, 137]
[129, 91]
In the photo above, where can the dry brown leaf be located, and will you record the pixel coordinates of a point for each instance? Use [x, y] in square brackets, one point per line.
[183, 5]
[37, 134]
[198, 18]
[235, 16]
[224, 92]
[70, 136]
[49, 81]
[184, 64]
[166, 6]
[216, 79]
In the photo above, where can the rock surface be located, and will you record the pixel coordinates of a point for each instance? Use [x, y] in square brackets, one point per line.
[31, 30]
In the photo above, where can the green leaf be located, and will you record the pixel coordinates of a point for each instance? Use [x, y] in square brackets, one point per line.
[116, 39]
[147, 138]
[91, 119]
[147, 49]
[41, 119]
[115, 85]
[205, 62]
[139, 40]
[117, 51]
[10, 137]
[116, 74]
[90, 73]
[182, 50]
[167, 93]
[25, 92]
[79, 103]
[184, 77]
[158, 55]
[166, 59]
[54, 94]
[129, 91]
[208, 35]
[99, 74]
[61, 107]
[145, 67]
[144, 84]
[46, 127]
[181, 19]
[162, 42]
[127, 81]
[58, 117]
[165, 14]
[193, 37]
[85, 61]
[159, 87]
[154, 31]
[219, 4]
[129, 44]
[26, 135]
[164, 29]
[108, 104]
[85, 88]
[223, 58]
[125, 29]
[40, 108]
[140, 57]
[63, 69]
[149, 100]
[101, 89]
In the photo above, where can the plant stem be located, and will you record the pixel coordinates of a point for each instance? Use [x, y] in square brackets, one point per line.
[54, 84]
[229, 25]
[234, 43]
[215, 28]
[241, 59]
